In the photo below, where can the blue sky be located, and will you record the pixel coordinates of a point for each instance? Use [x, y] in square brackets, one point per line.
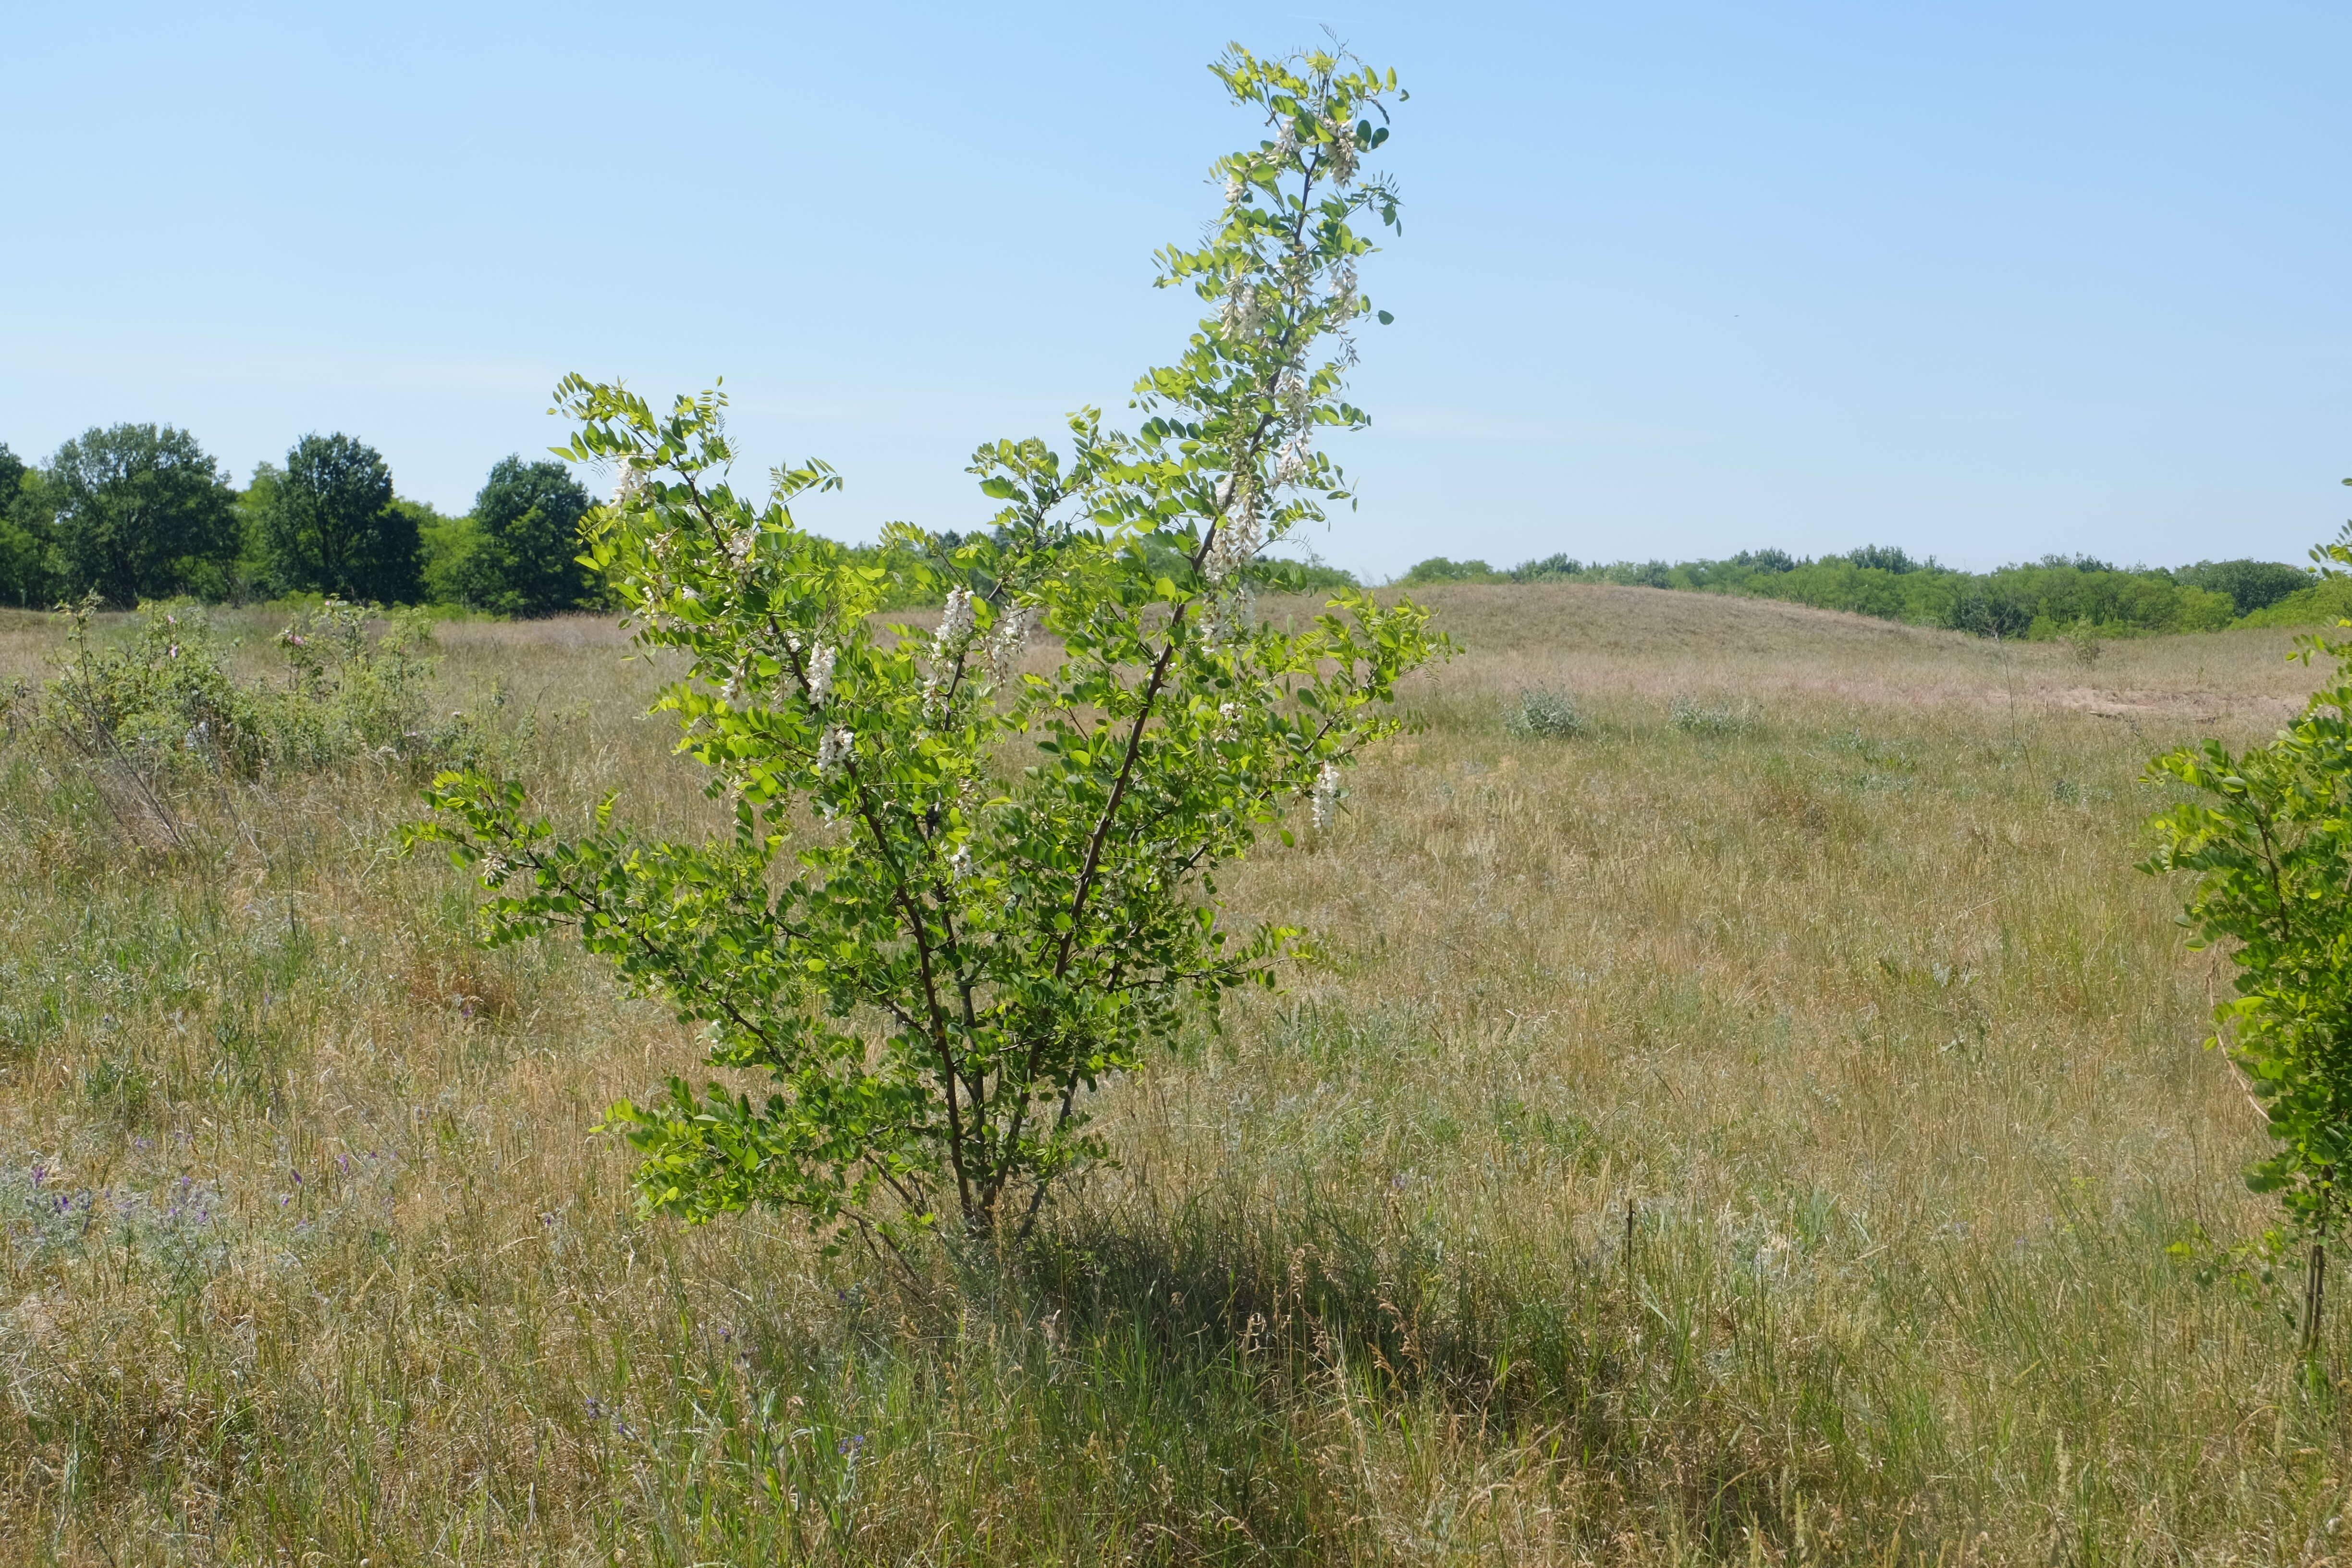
[1987, 281]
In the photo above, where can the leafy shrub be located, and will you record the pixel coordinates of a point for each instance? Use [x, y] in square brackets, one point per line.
[165, 704]
[1312, 576]
[1544, 712]
[350, 692]
[968, 880]
[162, 703]
[2267, 839]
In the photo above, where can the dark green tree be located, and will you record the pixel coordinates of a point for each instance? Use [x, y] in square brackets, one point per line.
[142, 512]
[1440, 569]
[2251, 584]
[26, 575]
[328, 525]
[1884, 558]
[522, 555]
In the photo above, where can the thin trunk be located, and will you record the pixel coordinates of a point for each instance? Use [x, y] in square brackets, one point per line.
[2315, 1288]
[2314, 1278]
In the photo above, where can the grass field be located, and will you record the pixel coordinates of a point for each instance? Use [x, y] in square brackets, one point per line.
[1750, 1129]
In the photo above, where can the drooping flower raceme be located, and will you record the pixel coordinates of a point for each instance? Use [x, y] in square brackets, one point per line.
[1237, 538]
[820, 673]
[1341, 152]
[1291, 467]
[628, 481]
[955, 625]
[1343, 295]
[1327, 795]
[1006, 641]
[1241, 312]
[1297, 398]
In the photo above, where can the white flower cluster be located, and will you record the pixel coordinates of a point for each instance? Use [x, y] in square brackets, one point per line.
[1241, 309]
[947, 645]
[1234, 189]
[955, 624]
[1327, 795]
[1296, 396]
[1291, 466]
[1229, 722]
[960, 863]
[1005, 643]
[832, 748]
[820, 673]
[1343, 294]
[1286, 145]
[1341, 157]
[1227, 615]
[628, 483]
[1238, 535]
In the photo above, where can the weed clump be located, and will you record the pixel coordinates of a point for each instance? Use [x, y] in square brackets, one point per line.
[1544, 712]
[1692, 717]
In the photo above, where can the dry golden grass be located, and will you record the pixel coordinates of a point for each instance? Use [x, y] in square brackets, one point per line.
[1759, 1145]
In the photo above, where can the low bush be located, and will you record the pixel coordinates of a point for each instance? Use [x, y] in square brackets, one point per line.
[162, 703]
[1694, 717]
[164, 706]
[1544, 712]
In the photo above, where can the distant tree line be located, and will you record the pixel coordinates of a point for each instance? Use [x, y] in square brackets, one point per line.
[2031, 600]
[142, 511]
